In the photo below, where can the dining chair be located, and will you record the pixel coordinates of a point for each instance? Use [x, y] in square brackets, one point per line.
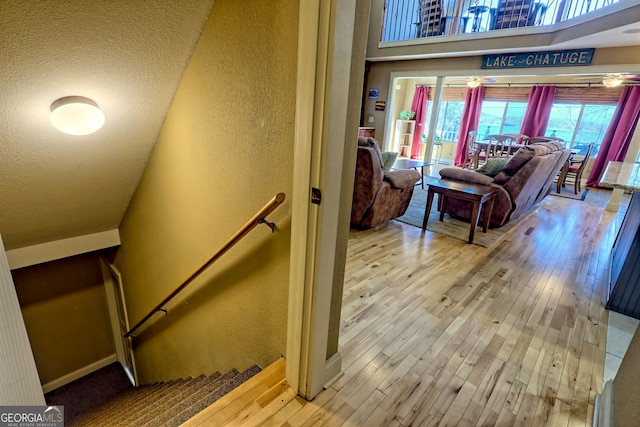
[573, 169]
[471, 152]
[519, 137]
[499, 145]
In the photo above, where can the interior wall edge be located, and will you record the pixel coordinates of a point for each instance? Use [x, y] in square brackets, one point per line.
[58, 249]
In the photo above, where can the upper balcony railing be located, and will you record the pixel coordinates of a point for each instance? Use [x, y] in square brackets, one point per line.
[414, 19]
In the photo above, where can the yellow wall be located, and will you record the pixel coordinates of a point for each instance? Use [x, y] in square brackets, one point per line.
[65, 312]
[225, 149]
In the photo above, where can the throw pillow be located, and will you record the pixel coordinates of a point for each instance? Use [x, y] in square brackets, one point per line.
[465, 175]
[492, 166]
[388, 159]
[515, 163]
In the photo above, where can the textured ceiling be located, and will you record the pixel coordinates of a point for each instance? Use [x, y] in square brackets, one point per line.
[129, 57]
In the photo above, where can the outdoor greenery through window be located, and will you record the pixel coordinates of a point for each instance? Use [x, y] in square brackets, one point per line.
[448, 125]
[498, 117]
[578, 124]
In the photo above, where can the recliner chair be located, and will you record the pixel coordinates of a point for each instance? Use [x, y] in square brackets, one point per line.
[379, 196]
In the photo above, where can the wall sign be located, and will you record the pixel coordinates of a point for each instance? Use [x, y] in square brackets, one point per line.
[553, 58]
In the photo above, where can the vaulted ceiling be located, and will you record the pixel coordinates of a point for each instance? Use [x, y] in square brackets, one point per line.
[128, 56]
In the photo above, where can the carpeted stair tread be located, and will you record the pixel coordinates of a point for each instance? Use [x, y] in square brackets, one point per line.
[145, 407]
[212, 396]
[134, 395]
[167, 404]
[204, 398]
[125, 410]
[125, 403]
[73, 395]
[201, 400]
[170, 402]
[168, 415]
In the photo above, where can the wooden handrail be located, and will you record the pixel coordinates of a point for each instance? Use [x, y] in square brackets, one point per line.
[258, 218]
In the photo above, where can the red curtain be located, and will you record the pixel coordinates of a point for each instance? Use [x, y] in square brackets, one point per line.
[419, 106]
[469, 121]
[616, 141]
[536, 116]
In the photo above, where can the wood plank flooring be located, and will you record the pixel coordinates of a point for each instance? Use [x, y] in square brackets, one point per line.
[439, 332]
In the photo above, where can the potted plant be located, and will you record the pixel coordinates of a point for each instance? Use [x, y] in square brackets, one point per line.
[407, 115]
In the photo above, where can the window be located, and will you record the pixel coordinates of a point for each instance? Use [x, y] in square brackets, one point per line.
[580, 124]
[448, 124]
[498, 117]
[495, 117]
[580, 115]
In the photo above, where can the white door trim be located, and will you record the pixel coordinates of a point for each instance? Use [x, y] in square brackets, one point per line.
[325, 46]
[303, 218]
[112, 280]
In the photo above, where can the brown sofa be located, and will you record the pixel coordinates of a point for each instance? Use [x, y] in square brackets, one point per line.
[525, 179]
[378, 196]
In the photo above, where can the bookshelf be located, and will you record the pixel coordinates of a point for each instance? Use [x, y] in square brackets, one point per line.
[404, 137]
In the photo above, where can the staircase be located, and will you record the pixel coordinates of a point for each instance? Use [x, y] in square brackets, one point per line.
[161, 404]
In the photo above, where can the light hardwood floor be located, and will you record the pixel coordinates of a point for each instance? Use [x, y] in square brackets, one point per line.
[439, 332]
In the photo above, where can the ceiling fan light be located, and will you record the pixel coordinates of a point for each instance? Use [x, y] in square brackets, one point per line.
[612, 82]
[76, 115]
[474, 83]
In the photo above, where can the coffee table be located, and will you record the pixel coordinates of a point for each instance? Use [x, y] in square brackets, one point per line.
[412, 164]
[475, 193]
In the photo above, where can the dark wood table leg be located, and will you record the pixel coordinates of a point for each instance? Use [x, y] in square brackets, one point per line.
[479, 195]
[443, 205]
[475, 214]
[427, 210]
[487, 215]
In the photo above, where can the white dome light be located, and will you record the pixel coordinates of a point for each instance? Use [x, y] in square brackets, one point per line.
[76, 115]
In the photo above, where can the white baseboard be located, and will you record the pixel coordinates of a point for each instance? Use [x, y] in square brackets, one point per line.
[603, 408]
[66, 379]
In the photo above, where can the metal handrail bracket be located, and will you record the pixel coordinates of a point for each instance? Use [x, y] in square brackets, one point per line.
[258, 218]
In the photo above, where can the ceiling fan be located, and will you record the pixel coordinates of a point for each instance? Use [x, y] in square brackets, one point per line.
[473, 82]
[612, 80]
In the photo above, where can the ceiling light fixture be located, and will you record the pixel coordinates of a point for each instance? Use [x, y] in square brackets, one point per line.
[612, 81]
[474, 82]
[76, 115]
